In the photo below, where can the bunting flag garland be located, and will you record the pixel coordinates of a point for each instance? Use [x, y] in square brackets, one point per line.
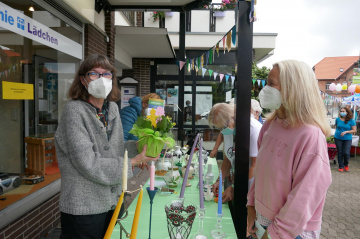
[192, 64]
[221, 77]
[263, 82]
[224, 41]
[217, 48]
[232, 80]
[228, 41]
[215, 75]
[253, 81]
[210, 56]
[233, 35]
[259, 82]
[198, 62]
[202, 61]
[214, 49]
[181, 64]
[207, 58]
[188, 65]
[210, 72]
[203, 70]
[227, 78]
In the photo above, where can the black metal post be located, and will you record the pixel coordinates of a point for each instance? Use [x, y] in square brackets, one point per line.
[181, 56]
[243, 104]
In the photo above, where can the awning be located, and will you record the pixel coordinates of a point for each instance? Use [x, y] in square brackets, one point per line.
[141, 42]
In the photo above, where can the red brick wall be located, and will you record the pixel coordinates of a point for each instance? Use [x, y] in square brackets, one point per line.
[141, 73]
[110, 31]
[36, 223]
[95, 42]
[139, 19]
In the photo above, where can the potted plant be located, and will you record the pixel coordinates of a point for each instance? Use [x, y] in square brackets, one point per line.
[225, 5]
[154, 131]
[157, 16]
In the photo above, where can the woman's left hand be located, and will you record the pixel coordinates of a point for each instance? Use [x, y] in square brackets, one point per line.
[142, 158]
[343, 133]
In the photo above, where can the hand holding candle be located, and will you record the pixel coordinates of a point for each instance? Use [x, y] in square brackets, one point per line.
[201, 182]
[152, 176]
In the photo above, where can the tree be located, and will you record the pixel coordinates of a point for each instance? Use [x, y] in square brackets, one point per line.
[258, 74]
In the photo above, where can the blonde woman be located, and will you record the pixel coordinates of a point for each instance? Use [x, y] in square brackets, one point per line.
[292, 173]
[145, 101]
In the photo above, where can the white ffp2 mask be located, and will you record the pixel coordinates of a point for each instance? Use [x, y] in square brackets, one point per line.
[270, 98]
[100, 88]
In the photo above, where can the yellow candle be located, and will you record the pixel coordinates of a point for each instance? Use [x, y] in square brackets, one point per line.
[114, 217]
[136, 216]
[125, 171]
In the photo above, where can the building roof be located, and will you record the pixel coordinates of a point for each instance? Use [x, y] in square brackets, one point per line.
[329, 67]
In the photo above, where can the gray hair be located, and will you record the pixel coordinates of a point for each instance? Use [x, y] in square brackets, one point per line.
[255, 106]
[220, 114]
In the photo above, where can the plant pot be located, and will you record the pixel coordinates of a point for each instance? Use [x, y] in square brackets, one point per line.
[219, 13]
[169, 14]
[154, 146]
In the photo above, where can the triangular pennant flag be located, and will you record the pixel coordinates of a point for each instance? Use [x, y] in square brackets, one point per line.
[210, 56]
[210, 72]
[217, 48]
[203, 70]
[214, 49]
[202, 60]
[206, 58]
[221, 77]
[227, 78]
[259, 82]
[232, 80]
[192, 64]
[198, 62]
[188, 65]
[224, 40]
[233, 35]
[181, 63]
[263, 82]
[253, 81]
[215, 75]
[228, 41]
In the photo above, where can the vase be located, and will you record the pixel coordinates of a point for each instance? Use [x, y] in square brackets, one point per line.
[177, 154]
[209, 176]
[172, 177]
[190, 174]
[219, 13]
[160, 165]
[180, 215]
[208, 193]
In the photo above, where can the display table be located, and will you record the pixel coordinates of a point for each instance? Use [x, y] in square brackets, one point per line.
[159, 224]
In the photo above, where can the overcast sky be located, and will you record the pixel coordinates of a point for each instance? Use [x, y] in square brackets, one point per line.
[309, 30]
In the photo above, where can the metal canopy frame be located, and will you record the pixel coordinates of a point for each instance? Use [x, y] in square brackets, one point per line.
[243, 96]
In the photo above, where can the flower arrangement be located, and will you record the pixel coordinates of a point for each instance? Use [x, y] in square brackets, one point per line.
[157, 16]
[226, 5]
[153, 131]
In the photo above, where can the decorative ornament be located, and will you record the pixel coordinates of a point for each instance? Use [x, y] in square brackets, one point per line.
[351, 88]
[332, 87]
[344, 87]
[338, 87]
[357, 89]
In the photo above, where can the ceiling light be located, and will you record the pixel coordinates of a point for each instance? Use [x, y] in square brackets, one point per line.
[31, 9]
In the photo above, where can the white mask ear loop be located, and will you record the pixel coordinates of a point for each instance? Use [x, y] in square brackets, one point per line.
[84, 80]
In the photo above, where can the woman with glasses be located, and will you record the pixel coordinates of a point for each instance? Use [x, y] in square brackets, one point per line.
[292, 173]
[90, 150]
[345, 127]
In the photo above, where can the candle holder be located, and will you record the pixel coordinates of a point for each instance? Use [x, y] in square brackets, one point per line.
[152, 194]
[218, 233]
[180, 216]
[122, 228]
[200, 234]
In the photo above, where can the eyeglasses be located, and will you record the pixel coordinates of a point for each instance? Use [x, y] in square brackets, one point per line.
[95, 75]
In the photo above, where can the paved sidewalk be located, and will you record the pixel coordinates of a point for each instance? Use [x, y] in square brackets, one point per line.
[341, 217]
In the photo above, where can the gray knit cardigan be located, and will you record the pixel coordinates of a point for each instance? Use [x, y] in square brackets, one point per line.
[90, 165]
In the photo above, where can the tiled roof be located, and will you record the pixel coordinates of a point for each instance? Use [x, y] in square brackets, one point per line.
[329, 67]
[11, 53]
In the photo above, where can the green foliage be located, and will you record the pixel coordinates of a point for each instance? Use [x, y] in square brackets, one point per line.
[143, 122]
[259, 73]
[158, 16]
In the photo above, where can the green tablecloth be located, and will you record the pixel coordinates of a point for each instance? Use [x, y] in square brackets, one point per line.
[159, 223]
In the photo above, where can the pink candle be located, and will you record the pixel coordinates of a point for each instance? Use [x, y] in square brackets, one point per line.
[188, 167]
[201, 182]
[152, 176]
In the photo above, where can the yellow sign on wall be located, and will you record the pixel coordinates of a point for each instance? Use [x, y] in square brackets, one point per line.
[17, 91]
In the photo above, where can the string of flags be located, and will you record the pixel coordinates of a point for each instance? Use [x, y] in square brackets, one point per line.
[11, 68]
[201, 63]
[328, 99]
[260, 82]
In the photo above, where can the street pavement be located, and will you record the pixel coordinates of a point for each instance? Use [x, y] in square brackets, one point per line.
[341, 216]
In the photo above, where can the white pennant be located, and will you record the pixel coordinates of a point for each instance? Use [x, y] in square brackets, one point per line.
[232, 80]
[259, 81]
[203, 70]
[215, 75]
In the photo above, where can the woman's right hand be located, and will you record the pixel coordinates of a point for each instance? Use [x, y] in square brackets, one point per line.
[213, 153]
[251, 217]
[215, 187]
[142, 158]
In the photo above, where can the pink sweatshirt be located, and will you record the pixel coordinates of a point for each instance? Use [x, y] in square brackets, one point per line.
[292, 176]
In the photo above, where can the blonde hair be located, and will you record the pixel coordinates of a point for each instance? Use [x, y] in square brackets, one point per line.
[221, 113]
[255, 106]
[301, 96]
[145, 99]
